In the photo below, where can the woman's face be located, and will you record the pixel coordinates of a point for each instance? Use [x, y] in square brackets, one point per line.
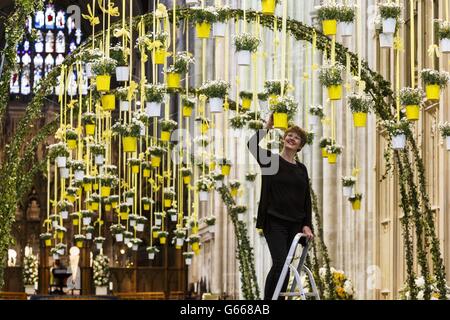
[292, 141]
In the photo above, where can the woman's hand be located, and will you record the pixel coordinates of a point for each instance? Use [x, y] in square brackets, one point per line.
[269, 122]
[308, 232]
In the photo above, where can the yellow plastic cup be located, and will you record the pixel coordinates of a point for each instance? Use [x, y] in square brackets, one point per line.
[165, 136]
[433, 91]
[187, 111]
[335, 92]
[203, 30]
[89, 129]
[225, 169]
[280, 120]
[129, 144]
[359, 119]
[412, 112]
[173, 80]
[268, 7]
[155, 161]
[159, 56]
[329, 27]
[332, 158]
[108, 102]
[356, 205]
[103, 82]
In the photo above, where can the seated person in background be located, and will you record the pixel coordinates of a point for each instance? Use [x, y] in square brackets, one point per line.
[58, 279]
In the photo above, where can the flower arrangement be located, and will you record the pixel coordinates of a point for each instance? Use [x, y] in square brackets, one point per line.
[262, 96]
[331, 75]
[118, 53]
[58, 150]
[246, 42]
[71, 134]
[97, 148]
[334, 149]
[155, 93]
[152, 249]
[186, 172]
[443, 29]
[255, 124]
[77, 165]
[343, 285]
[235, 184]
[329, 11]
[395, 128]
[204, 15]
[30, 270]
[168, 124]
[273, 87]
[355, 197]
[122, 93]
[132, 129]
[347, 13]
[188, 101]
[445, 129]
[411, 96]
[309, 138]
[101, 270]
[215, 89]
[359, 103]
[419, 282]
[348, 181]
[203, 184]
[285, 104]
[169, 193]
[64, 205]
[223, 13]
[317, 111]
[88, 118]
[433, 77]
[238, 121]
[181, 63]
[104, 66]
[390, 9]
[210, 221]
[156, 150]
[250, 176]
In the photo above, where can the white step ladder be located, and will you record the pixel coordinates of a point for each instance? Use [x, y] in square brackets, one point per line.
[296, 271]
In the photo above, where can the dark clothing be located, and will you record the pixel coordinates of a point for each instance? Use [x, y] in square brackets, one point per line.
[288, 192]
[284, 206]
[293, 206]
[279, 234]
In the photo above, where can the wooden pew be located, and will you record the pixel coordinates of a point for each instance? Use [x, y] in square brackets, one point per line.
[13, 296]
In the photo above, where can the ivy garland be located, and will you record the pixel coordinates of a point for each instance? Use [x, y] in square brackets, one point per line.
[377, 87]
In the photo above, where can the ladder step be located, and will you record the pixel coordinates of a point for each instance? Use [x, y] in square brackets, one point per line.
[297, 294]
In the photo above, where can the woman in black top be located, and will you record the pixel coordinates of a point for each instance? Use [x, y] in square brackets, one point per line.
[285, 203]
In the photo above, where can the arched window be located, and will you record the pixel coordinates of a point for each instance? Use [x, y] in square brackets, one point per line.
[55, 37]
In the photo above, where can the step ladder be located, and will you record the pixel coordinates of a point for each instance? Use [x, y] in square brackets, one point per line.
[296, 271]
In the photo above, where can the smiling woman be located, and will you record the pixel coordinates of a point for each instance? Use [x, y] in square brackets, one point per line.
[285, 204]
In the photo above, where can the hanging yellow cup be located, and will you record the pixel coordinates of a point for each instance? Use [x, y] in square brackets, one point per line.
[103, 82]
[412, 112]
[146, 173]
[359, 119]
[87, 187]
[79, 244]
[135, 169]
[162, 240]
[356, 205]
[234, 192]
[167, 202]
[332, 158]
[129, 144]
[324, 153]
[155, 161]
[173, 80]
[225, 169]
[48, 242]
[165, 136]
[76, 221]
[187, 111]
[94, 206]
[108, 102]
[146, 206]
[212, 166]
[187, 179]
[89, 129]
[203, 30]
[105, 191]
[280, 120]
[268, 7]
[204, 128]
[195, 246]
[107, 207]
[155, 234]
[160, 56]
[72, 144]
[246, 103]
[95, 186]
[433, 91]
[124, 215]
[329, 27]
[335, 92]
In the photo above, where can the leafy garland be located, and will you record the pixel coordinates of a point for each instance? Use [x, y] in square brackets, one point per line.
[376, 86]
[249, 282]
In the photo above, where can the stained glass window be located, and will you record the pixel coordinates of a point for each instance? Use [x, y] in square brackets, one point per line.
[55, 37]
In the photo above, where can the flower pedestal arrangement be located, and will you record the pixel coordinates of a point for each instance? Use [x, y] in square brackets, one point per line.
[101, 274]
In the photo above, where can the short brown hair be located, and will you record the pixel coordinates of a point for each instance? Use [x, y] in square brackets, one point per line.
[300, 132]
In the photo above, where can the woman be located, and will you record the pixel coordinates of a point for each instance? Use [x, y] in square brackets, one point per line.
[285, 204]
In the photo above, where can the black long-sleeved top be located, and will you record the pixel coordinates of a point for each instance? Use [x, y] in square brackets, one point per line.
[285, 190]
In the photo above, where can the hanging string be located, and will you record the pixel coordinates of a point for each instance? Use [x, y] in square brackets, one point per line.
[412, 34]
[283, 46]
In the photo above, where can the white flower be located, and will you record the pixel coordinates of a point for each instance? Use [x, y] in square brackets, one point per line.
[348, 287]
[322, 272]
[420, 282]
[420, 295]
